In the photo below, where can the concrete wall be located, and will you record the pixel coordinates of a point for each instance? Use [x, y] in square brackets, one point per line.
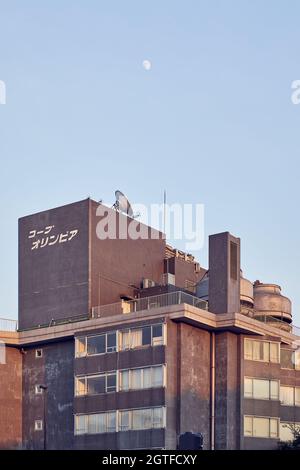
[119, 265]
[11, 400]
[188, 392]
[224, 273]
[228, 391]
[53, 279]
[55, 370]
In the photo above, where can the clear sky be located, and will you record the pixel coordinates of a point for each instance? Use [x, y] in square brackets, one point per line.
[212, 121]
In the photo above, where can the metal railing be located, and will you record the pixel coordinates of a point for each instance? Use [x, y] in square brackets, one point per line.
[147, 303]
[8, 325]
[272, 321]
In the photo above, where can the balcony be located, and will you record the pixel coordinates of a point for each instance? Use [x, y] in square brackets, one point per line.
[147, 303]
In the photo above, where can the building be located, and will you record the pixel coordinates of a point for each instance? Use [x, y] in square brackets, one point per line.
[135, 343]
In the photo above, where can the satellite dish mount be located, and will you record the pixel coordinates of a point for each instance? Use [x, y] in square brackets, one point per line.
[123, 205]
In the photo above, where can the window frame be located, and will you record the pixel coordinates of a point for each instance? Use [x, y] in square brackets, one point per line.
[92, 376]
[255, 397]
[39, 353]
[269, 418]
[269, 350]
[153, 343]
[38, 425]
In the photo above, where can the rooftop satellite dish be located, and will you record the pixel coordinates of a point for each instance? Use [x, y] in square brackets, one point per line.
[122, 204]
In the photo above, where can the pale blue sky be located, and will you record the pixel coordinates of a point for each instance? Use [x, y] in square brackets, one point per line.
[212, 122]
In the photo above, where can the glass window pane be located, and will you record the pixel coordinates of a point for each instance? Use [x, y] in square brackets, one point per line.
[80, 346]
[146, 335]
[157, 376]
[135, 338]
[111, 421]
[124, 380]
[261, 427]
[286, 359]
[287, 396]
[274, 389]
[248, 388]
[158, 418]
[80, 386]
[97, 423]
[273, 428]
[274, 352]
[266, 351]
[248, 344]
[247, 426]
[286, 432]
[80, 424]
[297, 360]
[111, 342]
[257, 354]
[261, 389]
[111, 382]
[147, 378]
[96, 385]
[136, 379]
[297, 396]
[157, 331]
[147, 419]
[137, 419]
[96, 345]
[125, 339]
[124, 417]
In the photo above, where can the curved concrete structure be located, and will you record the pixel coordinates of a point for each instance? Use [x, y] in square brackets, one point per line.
[269, 301]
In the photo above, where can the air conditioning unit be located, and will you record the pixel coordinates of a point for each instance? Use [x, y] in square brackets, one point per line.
[168, 279]
[148, 283]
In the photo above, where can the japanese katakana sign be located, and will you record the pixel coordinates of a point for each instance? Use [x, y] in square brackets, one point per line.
[49, 237]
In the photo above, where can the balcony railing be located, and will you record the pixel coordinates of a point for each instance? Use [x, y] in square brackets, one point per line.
[147, 303]
[8, 325]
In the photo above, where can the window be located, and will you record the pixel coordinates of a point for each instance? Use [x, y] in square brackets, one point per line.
[261, 389]
[111, 382]
[38, 425]
[290, 396]
[98, 344]
[136, 378]
[264, 351]
[148, 377]
[124, 380]
[138, 337]
[38, 390]
[290, 359]
[255, 426]
[80, 386]
[99, 423]
[38, 353]
[288, 430]
[111, 342]
[124, 420]
[80, 346]
[96, 384]
[287, 396]
[81, 424]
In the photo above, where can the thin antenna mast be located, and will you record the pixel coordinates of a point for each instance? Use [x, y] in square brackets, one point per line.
[165, 208]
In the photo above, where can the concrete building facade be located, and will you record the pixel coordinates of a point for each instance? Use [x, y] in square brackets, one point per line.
[128, 343]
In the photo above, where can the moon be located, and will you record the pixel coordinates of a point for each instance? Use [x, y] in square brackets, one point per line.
[147, 64]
